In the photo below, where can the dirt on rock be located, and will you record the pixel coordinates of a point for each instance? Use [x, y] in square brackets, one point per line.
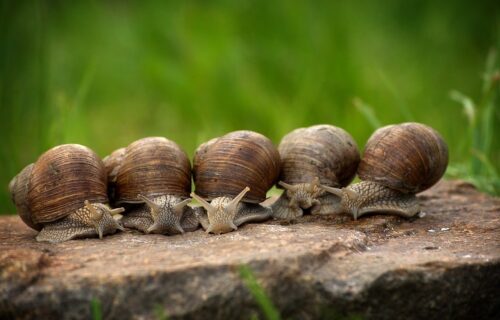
[442, 265]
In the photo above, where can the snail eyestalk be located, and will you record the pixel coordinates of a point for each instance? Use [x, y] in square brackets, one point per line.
[203, 202]
[178, 208]
[287, 186]
[232, 206]
[116, 211]
[336, 191]
[154, 207]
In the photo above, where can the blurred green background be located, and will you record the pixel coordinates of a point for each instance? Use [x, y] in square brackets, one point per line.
[106, 73]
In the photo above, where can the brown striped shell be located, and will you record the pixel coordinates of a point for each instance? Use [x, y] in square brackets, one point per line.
[151, 167]
[112, 163]
[224, 166]
[18, 188]
[200, 153]
[323, 151]
[409, 157]
[58, 183]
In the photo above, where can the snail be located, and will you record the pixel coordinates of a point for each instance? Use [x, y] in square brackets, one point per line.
[232, 175]
[63, 195]
[313, 157]
[398, 162]
[156, 173]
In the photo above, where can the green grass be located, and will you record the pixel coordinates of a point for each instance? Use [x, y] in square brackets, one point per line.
[268, 308]
[96, 309]
[160, 313]
[480, 169]
[106, 73]
[263, 301]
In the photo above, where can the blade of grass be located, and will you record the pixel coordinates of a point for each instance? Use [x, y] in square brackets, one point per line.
[491, 171]
[400, 102]
[368, 112]
[95, 306]
[160, 313]
[470, 111]
[265, 304]
[491, 81]
[467, 104]
[482, 170]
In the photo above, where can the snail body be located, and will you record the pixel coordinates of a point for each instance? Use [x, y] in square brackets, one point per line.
[63, 195]
[232, 175]
[156, 174]
[312, 158]
[398, 162]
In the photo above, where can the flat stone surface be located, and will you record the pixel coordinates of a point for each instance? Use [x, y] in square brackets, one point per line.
[445, 265]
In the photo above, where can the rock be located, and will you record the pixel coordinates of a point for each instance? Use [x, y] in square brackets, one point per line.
[445, 265]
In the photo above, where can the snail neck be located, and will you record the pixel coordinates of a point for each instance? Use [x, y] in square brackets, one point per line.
[371, 197]
[89, 221]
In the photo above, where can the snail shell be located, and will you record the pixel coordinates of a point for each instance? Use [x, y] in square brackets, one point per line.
[56, 186]
[226, 165]
[409, 157]
[62, 179]
[318, 155]
[155, 171]
[323, 151]
[18, 188]
[234, 172]
[398, 162]
[111, 163]
[152, 167]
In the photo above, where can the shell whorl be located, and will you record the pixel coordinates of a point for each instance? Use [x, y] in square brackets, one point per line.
[323, 151]
[62, 179]
[409, 157]
[151, 166]
[223, 167]
[112, 163]
[18, 188]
